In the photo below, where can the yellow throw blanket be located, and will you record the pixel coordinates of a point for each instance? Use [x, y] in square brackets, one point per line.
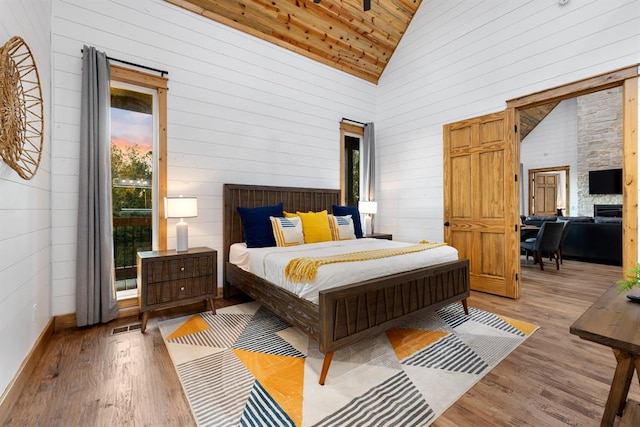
[305, 269]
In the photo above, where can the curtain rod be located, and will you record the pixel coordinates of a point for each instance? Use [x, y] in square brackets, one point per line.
[162, 72]
[353, 121]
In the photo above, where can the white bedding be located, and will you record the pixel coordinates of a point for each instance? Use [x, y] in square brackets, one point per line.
[269, 263]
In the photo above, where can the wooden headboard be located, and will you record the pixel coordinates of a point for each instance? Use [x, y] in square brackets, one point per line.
[251, 196]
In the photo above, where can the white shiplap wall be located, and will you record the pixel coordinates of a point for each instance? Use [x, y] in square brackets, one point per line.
[240, 110]
[554, 142]
[25, 221]
[463, 58]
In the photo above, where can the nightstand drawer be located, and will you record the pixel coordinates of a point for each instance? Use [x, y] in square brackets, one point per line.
[162, 270]
[176, 290]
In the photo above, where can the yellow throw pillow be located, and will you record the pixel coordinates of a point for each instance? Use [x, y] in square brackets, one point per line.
[289, 215]
[315, 226]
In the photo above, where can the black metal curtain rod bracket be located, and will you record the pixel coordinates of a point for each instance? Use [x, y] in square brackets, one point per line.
[162, 72]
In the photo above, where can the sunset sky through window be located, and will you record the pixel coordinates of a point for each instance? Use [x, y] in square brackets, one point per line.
[130, 128]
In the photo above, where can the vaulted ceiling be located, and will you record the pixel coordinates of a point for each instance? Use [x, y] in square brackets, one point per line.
[531, 117]
[338, 33]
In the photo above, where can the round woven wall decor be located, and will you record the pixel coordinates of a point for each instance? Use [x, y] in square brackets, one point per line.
[21, 109]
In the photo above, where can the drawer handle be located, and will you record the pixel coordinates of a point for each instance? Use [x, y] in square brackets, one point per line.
[181, 288]
[181, 268]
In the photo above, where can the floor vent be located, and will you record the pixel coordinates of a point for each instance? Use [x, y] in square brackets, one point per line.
[126, 328]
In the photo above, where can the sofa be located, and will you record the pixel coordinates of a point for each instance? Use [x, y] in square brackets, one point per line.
[589, 239]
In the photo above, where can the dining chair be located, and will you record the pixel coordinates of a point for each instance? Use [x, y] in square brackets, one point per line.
[547, 241]
[565, 230]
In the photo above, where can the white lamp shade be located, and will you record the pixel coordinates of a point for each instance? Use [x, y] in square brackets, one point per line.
[368, 207]
[181, 207]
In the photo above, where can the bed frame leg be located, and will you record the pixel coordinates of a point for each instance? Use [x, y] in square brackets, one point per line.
[325, 367]
[465, 306]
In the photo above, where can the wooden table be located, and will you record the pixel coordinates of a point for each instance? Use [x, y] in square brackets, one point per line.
[526, 227]
[614, 321]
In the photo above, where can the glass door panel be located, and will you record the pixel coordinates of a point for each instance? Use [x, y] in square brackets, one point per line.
[132, 162]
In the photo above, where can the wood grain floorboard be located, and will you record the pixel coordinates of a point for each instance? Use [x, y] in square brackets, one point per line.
[554, 378]
[90, 377]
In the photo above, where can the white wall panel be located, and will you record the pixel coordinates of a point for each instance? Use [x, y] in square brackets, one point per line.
[462, 58]
[240, 110]
[25, 217]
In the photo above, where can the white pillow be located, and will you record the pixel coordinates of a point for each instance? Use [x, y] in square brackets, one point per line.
[341, 227]
[287, 231]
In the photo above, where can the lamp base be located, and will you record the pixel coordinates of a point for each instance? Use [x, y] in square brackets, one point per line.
[368, 224]
[182, 236]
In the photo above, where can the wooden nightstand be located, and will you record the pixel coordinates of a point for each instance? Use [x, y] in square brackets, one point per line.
[170, 279]
[379, 236]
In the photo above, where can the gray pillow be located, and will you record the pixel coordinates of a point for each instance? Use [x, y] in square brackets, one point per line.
[608, 219]
[576, 218]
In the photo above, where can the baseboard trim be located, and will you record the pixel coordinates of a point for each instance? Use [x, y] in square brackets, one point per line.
[64, 321]
[13, 391]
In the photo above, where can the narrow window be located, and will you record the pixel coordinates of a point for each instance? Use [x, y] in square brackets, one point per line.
[138, 171]
[132, 148]
[352, 171]
[351, 141]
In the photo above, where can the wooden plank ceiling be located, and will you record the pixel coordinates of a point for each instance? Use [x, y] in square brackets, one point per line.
[531, 117]
[338, 33]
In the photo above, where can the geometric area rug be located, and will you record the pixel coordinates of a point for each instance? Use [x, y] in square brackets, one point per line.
[245, 367]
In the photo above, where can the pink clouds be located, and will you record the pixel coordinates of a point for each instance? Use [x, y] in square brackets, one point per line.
[130, 128]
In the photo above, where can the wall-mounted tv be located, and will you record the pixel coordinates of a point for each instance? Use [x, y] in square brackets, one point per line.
[608, 181]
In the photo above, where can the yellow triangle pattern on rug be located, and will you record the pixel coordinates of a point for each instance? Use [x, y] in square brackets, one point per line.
[524, 327]
[406, 342]
[281, 376]
[193, 325]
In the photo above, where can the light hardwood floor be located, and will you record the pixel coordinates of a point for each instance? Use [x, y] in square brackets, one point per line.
[90, 377]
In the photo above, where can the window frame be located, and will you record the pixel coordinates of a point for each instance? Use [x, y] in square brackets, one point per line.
[159, 84]
[356, 131]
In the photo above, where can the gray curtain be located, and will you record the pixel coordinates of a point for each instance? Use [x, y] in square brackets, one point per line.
[95, 282]
[368, 167]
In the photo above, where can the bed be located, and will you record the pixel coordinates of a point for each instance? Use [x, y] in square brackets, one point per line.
[345, 314]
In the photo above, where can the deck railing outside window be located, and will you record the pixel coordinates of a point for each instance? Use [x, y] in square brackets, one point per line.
[130, 235]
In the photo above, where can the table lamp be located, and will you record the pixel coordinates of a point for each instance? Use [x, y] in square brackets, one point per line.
[181, 207]
[369, 209]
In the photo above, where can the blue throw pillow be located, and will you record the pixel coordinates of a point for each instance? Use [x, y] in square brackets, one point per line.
[355, 215]
[258, 232]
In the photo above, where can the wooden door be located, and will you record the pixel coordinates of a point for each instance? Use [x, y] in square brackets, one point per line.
[481, 199]
[545, 194]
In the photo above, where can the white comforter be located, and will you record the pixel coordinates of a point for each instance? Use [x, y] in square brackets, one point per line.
[269, 263]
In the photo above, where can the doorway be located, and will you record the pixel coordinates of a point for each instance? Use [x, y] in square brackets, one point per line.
[627, 79]
[548, 191]
[503, 232]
